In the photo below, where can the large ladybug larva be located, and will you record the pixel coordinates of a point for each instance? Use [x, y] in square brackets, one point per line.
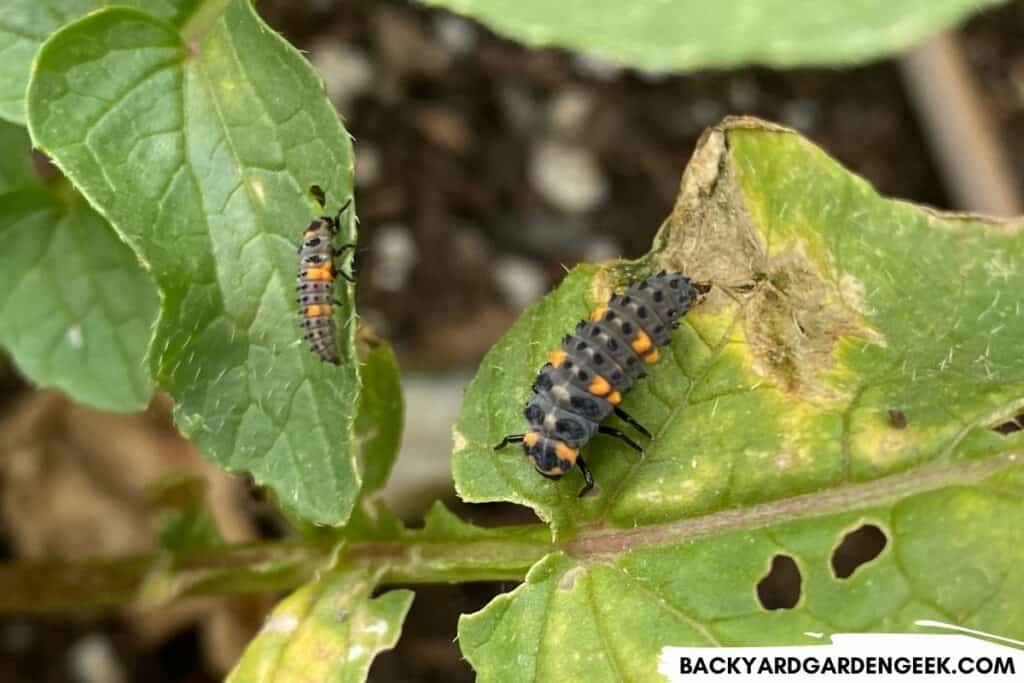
[316, 279]
[584, 381]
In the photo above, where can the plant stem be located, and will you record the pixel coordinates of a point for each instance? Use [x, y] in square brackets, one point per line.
[158, 578]
[483, 560]
[453, 554]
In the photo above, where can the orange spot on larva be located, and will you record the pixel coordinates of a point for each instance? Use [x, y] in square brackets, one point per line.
[599, 387]
[324, 274]
[641, 343]
[557, 357]
[563, 451]
[316, 311]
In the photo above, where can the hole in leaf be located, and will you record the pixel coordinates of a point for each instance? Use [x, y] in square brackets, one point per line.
[780, 588]
[1010, 426]
[488, 515]
[858, 547]
[428, 652]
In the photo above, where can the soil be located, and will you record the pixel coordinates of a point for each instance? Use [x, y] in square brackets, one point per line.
[453, 129]
[453, 136]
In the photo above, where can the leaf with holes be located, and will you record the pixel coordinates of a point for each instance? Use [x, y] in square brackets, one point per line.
[686, 35]
[199, 145]
[76, 308]
[328, 630]
[847, 368]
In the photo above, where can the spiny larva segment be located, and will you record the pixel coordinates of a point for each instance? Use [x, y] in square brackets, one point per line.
[316, 280]
[585, 380]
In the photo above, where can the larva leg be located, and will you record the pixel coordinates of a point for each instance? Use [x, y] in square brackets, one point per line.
[511, 438]
[628, 419]
[588, 478]
[612, 431]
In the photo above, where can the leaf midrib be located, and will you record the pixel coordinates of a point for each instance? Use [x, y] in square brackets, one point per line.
[594, 541]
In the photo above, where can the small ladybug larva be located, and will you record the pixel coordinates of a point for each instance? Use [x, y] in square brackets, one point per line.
[316, 279]
[584, 381]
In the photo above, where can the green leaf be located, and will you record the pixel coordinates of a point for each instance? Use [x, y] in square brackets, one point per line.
[15, 158]
[723, 33]
[328, 630]
[76, 309]
[25, 24]
[199, 147]
[378, 424]
[378, 435]
[23, 28]
[829, 307]
[950, 557]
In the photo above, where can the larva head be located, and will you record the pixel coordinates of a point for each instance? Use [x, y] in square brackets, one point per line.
[321, 227]
[316, 247]
[550, 457]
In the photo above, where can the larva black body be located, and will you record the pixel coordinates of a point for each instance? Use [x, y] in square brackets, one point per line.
[316, 280]
[585, 380]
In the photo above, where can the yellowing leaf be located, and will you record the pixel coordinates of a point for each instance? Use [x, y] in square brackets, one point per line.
[327, 631]
[831, 311]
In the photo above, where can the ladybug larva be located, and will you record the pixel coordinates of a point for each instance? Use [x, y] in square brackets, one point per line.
[585, 379]
[316, 279]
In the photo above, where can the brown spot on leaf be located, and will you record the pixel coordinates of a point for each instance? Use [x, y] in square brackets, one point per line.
[897, 418]
[792, 314]
[969, 224]
[793, 322]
